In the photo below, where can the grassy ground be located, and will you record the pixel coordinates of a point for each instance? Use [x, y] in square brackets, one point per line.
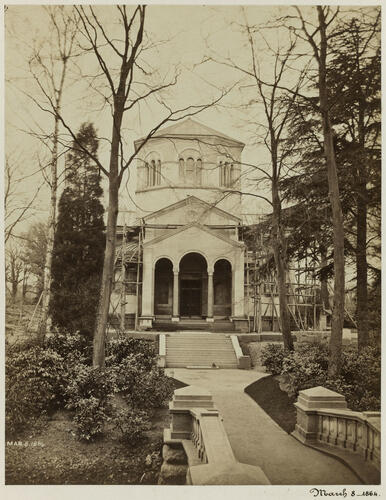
[53, 455]
[276, 403]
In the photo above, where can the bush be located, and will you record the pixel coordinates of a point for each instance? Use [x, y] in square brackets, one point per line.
[89, 395]
[359, 381]
[73, 347]
[153, 390]
[272, 356]
[361, 378]
[89, 383]
[34, 385]
[142, 388]
[302, 370]
[132, 424]
[90, 417]
[118, 350]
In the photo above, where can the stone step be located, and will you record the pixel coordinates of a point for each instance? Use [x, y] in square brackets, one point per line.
[197, 354]
[200, 350]
[198, 342]
[201, 359]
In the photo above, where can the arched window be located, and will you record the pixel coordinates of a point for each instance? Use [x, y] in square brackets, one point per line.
[190, 171]
[226, 174]
[152, 172]
[190, 168]
[181, 166]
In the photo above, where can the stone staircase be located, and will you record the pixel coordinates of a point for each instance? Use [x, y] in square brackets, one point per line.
[199, 350]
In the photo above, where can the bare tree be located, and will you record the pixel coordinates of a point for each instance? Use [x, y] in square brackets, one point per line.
[48, 66]
[14, 266]
[276, 111]
[121, 66]
[16, 207]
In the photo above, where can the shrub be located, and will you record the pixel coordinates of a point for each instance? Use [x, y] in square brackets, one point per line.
[272, 356]
[73, 347]
[118, 350]
[361, 378]
[34, 385]
[154, 390]
[301, 372]
[87, 383]
[142, 388]
[359, 381]
[89, 395]
[90, 417]
[132, 424]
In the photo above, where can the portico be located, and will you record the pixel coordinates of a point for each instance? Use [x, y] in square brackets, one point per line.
[202, 283]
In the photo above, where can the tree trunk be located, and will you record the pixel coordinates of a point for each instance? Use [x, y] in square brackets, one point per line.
[14, 290]
[361, 239]
[325, 297]
[335, 347]
[107, 278]
[361, 269]
[42, 328]
[111, 229]
[50, 236]
[280, 255]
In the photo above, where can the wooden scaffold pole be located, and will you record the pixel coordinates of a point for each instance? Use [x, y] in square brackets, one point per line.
[139, 259]
[123, 280]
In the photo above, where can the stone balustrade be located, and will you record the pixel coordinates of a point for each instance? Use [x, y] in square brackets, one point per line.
[243, 362]
[197, 426]
[323, 420]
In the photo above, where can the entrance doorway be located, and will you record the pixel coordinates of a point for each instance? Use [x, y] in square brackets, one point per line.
[193, 286]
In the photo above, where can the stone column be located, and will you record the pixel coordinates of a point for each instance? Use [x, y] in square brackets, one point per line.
[238, 285]
[210, 297]
[146, 319]
[175, 316]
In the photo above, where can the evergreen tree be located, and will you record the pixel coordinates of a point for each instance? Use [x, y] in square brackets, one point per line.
[79, 239]
[353, 80]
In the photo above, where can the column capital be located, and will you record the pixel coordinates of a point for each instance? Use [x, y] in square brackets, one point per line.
[176, 270]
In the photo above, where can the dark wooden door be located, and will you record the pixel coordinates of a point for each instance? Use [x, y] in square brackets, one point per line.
[190, 298]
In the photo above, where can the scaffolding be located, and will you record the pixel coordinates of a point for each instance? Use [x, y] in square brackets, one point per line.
[127, 277]
[261, 288]
[260, 283]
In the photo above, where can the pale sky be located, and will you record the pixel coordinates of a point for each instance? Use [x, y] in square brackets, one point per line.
[190, 33]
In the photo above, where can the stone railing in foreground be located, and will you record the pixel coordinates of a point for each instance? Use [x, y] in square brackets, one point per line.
[325, 422]
[197, 427]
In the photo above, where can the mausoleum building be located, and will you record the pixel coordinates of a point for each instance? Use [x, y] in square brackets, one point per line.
[188, 196]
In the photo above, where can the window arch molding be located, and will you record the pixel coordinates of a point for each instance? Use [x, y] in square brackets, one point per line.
[190, 167]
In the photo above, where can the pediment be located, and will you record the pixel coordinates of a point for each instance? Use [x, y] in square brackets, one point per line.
[191, 232]
[192, 210]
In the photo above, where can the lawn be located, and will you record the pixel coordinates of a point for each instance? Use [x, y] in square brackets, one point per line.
[267, 394]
